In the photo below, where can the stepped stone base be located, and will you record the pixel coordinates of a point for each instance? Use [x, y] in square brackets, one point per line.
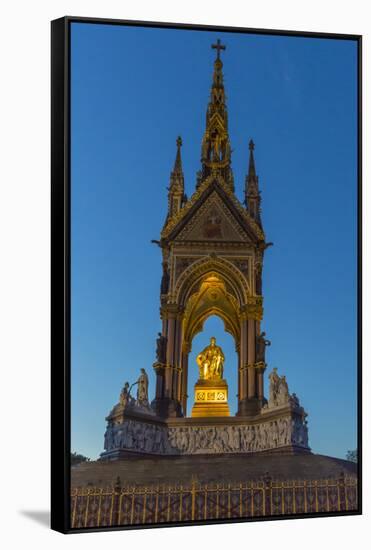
[148, 470]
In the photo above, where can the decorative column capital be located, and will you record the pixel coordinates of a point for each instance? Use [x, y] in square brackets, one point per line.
[186, 347]
[158, 367]
[171, 311]
[253, 309]
[260, 367]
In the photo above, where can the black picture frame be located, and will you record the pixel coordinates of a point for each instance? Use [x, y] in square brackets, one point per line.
[61, 264]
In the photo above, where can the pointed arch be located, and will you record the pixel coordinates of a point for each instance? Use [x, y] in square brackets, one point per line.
[210, 298]
[200, 270]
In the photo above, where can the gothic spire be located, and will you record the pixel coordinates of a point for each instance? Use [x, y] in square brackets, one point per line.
[176, 196]
[252, 193]
[252, 172]
[178, 170]
[216, 148]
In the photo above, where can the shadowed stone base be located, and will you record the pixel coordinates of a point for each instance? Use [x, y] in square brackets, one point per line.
[249, 406]
[212, 468]
[167, 408]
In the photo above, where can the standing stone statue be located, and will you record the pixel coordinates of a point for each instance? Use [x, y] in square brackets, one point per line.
[161, 348]
[294, 400]
[125, 395]
[283, 391]
[261, 344]
[279, 390]
[142, 392]
[274, 381]
[165, 280]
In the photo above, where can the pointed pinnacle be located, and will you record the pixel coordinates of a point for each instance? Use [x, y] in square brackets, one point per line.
[251, 159]
[178, 159]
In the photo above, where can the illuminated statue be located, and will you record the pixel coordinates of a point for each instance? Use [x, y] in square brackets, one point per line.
[210, 362]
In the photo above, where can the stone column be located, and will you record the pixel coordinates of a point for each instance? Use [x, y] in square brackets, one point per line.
[167, 403]
[177, 359]
[251, 358]
[159, 382]
[170, 356]
[243, 360]
[260, 381]
[239, 375]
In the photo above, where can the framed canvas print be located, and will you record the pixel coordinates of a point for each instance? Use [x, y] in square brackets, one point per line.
[206, 339]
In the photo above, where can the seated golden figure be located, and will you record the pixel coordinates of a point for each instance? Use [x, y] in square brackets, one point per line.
[210, 362]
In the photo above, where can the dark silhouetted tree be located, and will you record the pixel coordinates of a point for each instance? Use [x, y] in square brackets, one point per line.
[352, 456]
[77, 459]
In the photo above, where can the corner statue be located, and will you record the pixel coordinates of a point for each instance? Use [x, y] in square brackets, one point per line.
[210, 362]
[142, 392]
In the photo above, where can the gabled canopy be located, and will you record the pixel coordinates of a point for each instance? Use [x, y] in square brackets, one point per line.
[213, 214]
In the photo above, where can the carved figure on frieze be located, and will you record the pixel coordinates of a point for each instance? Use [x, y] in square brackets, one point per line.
[236, 438]
[245, 438]
[140, 437]
[108, 438]
[129, 435]
[264, 436]
[275, 433]
[161, 348]
[192, 441]
[122, 436]
[184, 439]
[224, 437]
[116, 439]
[211, 437]
[261, 344]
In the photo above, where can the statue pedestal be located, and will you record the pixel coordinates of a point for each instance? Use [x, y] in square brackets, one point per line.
[211, 398]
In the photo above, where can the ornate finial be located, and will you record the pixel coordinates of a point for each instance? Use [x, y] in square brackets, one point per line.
[178, 158]
[252, 193]
[252, 171]
[216, 147]
[176, 196]
[218, 46]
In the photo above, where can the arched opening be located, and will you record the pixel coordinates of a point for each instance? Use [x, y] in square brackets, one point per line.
[214, 326]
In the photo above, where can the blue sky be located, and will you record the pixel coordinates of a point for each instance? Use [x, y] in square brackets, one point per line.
[134, 90]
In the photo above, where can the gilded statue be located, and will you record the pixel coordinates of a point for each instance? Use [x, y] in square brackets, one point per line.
[210, 362]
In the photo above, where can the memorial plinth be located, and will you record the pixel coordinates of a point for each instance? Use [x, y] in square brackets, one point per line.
[211, 399]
